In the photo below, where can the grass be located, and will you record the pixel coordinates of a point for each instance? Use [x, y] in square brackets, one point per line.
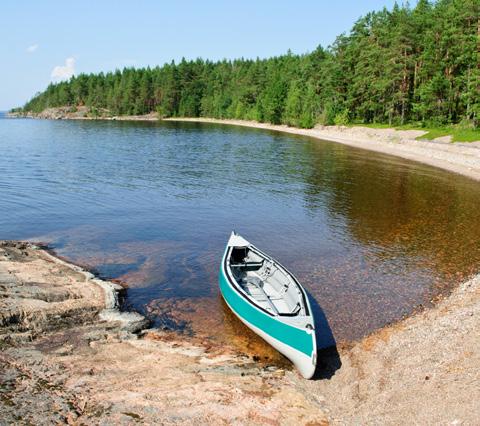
[458, 133]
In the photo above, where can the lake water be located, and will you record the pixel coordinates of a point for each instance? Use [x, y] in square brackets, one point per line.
[370, 236]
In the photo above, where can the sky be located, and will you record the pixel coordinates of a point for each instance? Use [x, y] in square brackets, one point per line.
[45, 41]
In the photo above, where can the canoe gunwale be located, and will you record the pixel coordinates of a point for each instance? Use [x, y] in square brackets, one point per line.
[296, 342]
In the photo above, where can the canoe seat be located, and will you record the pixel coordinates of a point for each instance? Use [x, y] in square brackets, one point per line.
[254, 287]
[247, 266]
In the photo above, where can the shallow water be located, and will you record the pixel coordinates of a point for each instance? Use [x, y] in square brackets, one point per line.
[370, 236]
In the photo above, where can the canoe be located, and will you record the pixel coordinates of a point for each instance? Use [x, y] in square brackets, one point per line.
[269, 300]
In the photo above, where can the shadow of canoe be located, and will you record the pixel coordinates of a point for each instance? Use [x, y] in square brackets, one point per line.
[328, 358]
[245, 340]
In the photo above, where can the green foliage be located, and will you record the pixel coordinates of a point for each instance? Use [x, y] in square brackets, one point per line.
[327, 116]
[93, 112]
[341, 118]
[394, 67]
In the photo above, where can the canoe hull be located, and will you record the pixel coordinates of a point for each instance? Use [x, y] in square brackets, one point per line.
[295, 343]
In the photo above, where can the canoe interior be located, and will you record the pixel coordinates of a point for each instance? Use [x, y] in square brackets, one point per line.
[266, 283]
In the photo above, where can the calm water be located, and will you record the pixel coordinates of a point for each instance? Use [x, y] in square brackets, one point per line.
[370, 236]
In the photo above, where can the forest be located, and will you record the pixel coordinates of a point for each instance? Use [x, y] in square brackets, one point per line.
[405, 65]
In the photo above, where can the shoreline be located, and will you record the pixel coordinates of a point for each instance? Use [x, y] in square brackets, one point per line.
[460, 158]
[95, 352]
[85, 292]
[94, 368]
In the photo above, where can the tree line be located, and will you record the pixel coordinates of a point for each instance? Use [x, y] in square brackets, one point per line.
[396, 66]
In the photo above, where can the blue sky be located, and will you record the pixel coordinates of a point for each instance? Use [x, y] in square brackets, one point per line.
[47, 40]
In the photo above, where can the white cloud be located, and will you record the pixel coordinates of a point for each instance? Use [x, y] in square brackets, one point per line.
[64, 72]
[32, 48]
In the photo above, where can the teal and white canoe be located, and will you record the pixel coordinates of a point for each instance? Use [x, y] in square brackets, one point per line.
[268, 299]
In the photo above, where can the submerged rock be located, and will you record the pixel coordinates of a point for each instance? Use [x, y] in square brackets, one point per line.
[131, 322]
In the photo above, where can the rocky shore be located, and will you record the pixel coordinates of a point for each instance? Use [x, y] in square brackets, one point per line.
[69, 356]
[82, 113]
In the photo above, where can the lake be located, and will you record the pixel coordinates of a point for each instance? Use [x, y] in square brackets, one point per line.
[372, 237]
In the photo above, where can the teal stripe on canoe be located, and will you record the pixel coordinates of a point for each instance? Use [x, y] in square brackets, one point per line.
[292, 336]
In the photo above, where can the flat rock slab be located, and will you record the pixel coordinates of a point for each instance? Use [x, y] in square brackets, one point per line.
[59, 365]
[39, 292]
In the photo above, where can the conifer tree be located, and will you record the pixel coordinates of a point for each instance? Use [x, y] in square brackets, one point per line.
[394, 66]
